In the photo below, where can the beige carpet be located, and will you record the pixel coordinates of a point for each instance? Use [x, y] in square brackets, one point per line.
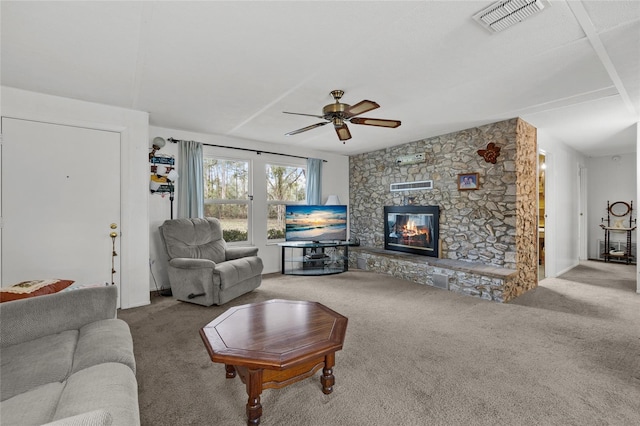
[567, 353]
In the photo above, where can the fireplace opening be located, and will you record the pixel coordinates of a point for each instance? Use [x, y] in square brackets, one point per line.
[412, 229]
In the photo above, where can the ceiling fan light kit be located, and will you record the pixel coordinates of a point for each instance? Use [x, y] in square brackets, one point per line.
[339, 114]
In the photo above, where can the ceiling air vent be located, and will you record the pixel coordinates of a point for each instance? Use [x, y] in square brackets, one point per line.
[503, 14]
[412, 186]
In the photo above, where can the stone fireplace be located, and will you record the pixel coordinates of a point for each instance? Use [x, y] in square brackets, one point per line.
[412, 229]
[487, 237]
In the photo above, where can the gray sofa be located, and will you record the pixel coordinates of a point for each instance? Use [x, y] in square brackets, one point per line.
[202, 268]
[66, 361]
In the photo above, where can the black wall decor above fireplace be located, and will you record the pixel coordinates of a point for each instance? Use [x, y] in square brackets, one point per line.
[412, 229]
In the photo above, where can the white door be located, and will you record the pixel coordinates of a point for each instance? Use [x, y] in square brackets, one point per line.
[60, 195]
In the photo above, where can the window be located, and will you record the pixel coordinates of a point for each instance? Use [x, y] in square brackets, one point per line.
[285, 185]
[226, 196]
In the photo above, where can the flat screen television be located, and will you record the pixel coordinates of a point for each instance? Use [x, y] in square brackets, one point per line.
[315, 223]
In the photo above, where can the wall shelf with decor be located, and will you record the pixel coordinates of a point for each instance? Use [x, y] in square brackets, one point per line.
[619, 222]
[160, 168]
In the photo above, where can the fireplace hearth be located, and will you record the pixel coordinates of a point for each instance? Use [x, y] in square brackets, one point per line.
[412, 229]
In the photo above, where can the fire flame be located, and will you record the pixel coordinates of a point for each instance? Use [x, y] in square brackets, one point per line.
[411, 230]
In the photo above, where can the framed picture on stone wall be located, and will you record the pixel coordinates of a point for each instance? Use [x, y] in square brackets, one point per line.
[468, 181]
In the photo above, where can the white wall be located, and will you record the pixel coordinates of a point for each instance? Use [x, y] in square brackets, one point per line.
[611, 179]
[133, 127]
[562, 251]
[335, 180]
[637, 125]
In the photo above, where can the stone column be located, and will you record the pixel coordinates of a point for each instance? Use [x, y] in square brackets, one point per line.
[526, 210]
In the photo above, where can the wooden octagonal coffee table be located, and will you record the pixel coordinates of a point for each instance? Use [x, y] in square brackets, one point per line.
[275, 343]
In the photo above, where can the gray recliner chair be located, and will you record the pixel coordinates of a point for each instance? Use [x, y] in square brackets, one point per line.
[202, 268]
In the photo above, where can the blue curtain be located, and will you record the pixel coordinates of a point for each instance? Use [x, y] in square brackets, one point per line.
[314, 181]
[191, 180]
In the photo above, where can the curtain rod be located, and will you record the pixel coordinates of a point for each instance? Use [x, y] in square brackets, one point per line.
[257, 151]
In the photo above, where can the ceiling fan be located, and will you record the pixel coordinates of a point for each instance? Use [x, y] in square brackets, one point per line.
[339, 114]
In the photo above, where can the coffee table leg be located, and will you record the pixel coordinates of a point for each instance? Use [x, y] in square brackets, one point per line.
[231, 371]
[328, 379]
[254, 389]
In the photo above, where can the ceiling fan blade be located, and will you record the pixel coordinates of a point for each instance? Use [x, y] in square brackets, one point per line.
[360, 108]
[299, 113]
[343, 132]
[375, 122]
[304, 129]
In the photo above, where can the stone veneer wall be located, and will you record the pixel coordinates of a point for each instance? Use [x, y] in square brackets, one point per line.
[495, 225]
[526, 210]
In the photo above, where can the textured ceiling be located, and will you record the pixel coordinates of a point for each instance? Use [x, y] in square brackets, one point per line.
[232, 68]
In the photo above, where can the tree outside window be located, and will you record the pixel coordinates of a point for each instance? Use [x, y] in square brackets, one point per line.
[285, 185]
[226, 196]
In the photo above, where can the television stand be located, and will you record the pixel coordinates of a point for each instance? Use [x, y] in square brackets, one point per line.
[315, 258]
